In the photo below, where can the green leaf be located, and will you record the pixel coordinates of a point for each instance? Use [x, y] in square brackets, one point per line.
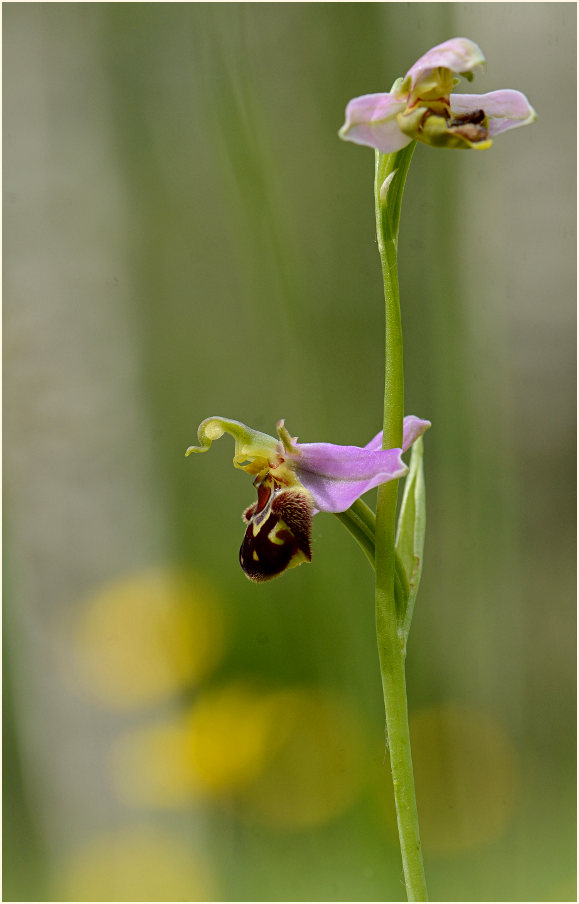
[410, 536]
[401, 588]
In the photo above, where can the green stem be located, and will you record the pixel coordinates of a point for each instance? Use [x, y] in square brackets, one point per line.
[390, 178]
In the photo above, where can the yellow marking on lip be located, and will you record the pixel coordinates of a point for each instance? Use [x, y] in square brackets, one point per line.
[273, 534]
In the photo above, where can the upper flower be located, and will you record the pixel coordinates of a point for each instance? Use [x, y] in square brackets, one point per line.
[420, 106]
[294, 480]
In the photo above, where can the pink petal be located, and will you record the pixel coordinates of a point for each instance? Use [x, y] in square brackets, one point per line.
[338, 475]
[505, 109]
[413, 428]
[458, 54]
[371, 120]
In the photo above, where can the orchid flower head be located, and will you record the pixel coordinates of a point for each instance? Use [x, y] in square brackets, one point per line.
[294, 481]
[421, 107]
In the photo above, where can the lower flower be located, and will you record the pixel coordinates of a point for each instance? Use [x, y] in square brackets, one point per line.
[296, 480]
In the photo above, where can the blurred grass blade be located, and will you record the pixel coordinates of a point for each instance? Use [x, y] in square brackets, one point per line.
[410, 536]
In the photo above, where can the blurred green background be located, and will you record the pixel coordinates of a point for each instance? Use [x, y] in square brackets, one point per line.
[185, 236]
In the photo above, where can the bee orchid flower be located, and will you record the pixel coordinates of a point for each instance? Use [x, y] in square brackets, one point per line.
[421, 107]
[294, 481]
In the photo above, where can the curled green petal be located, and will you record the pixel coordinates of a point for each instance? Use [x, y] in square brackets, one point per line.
[254, 451]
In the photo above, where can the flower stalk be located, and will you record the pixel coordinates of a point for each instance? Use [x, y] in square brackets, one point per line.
[390, 177]
[360, 521]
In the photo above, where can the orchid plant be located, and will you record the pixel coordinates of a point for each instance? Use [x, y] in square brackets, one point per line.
[294, 480]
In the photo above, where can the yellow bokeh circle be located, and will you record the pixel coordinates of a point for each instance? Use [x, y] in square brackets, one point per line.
[290, 759]
[217, 746]
[318, 768]
[137, 863]
[142, 638]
